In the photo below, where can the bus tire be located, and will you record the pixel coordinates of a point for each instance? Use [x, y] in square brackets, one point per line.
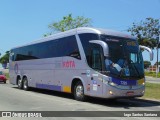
[79, 91]
[20, 83]
[25, 84]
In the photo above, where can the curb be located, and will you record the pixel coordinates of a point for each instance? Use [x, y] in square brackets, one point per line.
[152, 77]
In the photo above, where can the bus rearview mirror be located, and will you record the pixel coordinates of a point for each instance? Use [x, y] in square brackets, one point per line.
[149, 50]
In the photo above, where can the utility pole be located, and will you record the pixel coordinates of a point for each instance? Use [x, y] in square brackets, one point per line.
[158, 45]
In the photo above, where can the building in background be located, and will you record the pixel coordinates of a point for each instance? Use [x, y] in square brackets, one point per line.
[153, 68]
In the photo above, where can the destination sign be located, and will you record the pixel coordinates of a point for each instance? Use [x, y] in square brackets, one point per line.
[131, 43]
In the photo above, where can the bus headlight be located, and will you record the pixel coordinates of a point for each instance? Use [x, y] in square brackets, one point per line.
[109, 82]
[112, 83]
[105, 81]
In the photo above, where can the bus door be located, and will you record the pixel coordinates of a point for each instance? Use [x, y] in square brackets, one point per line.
[96, 86]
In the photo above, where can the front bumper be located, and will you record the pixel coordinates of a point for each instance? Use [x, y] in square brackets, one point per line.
[113, 92]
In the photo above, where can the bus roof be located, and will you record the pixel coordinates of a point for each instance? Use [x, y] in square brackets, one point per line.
[103, 31]
[80, 30]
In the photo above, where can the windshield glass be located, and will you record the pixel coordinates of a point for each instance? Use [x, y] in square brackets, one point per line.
[125, 59]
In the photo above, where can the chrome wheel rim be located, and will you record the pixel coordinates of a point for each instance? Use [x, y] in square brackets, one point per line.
[20, 83]
[79, 91]
[25, 84]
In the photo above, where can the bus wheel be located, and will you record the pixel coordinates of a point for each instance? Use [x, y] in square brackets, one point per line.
[79, 92]
[25, 84]
[20, 83]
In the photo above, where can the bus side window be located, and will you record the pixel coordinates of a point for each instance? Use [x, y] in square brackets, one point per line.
[96, 62]
[85, 38]
[68, 47]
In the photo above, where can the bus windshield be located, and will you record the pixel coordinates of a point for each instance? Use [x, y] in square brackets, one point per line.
[125, 59]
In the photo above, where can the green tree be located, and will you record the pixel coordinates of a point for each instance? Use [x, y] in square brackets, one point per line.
[68, 22]
[147, 64]
[156, 63]
[5, 58]
[146, 32]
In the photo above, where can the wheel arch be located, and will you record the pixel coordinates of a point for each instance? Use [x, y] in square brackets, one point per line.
[74, 81]
[18, 77]
[24, 76]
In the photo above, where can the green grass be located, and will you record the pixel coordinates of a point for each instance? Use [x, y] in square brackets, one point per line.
[152, 91]
[152, 74]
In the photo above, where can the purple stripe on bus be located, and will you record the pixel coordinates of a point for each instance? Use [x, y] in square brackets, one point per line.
[124, 82]
[50, 87]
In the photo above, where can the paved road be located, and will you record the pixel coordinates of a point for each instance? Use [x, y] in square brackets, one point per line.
[13, 99]
[152, 79]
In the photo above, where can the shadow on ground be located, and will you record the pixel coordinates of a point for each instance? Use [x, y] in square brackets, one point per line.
[2, 83]
[121, 103]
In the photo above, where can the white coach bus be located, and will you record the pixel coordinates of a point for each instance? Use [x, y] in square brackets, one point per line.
[83, 61]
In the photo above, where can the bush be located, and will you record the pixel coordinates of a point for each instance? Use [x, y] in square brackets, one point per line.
[5, 58]
[152, 74]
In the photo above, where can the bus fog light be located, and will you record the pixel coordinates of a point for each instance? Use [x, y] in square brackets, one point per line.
[143, 92]
[110, 92]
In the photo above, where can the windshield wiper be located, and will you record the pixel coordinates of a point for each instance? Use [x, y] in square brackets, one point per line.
[136, 70]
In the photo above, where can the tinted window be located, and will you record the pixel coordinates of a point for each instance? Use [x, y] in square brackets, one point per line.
[115, 51]
[68, 47]
[56, 48]
[96, 62]
[85, 38]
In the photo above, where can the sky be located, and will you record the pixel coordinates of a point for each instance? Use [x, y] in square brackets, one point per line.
[23, 21]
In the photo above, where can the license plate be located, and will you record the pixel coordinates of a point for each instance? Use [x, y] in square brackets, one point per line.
[131, 93]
